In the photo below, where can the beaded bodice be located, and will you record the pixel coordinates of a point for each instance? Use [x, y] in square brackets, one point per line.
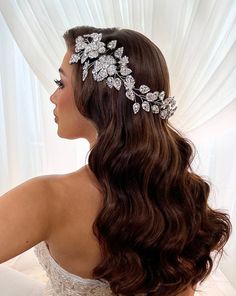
[63, 283]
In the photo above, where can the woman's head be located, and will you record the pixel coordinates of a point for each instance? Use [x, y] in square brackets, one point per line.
[71, 124]
[103, 106]
[149, 241]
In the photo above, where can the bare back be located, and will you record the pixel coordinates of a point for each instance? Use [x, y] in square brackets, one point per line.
[77, 202]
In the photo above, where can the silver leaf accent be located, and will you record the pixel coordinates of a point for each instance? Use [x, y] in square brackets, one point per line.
[163, 114]
[129, 82]
[84, 58]
[162, 95]
[118, 53]
[102, 74]
[112, 44]
[155, 109]
[74, 58]
[130, 95]
[144, 89]
[136, 107]
[124, 60]
[125, 71]
[146, 106]
[150, 97]
[117, 83]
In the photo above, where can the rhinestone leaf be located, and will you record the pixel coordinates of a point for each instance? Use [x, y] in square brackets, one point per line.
[125, 71]
[150, 97]
[102, 74]
[112, 44]
[84, 58]
[144, 89]
[136, 107]
[129, 82]
[130, 95]
[79, 39]
[155, 109]
[163, 114]
[124, 60]
[146, 106]
[117, 83]
[110, 81]
[95, 36]
[74, 58]
[118, 53]
[162, 95]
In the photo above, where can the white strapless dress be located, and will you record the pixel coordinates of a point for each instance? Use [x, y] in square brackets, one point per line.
[63, 283]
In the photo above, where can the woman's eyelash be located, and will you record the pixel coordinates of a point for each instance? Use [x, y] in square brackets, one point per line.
[59, 83]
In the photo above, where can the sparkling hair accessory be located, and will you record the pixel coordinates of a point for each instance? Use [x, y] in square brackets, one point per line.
[113, 67]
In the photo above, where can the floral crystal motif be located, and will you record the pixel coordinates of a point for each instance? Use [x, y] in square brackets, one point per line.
[113, 68]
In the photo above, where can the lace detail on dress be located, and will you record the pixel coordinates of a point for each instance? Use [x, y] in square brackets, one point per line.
[63, 283]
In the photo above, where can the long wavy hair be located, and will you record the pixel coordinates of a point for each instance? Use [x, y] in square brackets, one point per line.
[156, 230]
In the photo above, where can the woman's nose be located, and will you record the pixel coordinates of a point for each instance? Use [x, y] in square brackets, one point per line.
[53, 98]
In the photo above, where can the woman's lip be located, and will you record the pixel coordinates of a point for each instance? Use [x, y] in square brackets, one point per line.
[55, 119]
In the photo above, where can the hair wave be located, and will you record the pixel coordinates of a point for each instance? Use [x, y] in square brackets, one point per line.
[156, 230]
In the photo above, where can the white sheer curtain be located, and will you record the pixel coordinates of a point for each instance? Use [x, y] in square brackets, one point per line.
[197, 39]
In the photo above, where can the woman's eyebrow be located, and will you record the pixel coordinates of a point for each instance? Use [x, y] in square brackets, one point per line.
[62, 71]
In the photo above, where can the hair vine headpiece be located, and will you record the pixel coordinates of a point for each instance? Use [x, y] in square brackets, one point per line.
[113, 67]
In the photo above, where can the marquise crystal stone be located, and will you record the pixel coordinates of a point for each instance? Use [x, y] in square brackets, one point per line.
[136, 107]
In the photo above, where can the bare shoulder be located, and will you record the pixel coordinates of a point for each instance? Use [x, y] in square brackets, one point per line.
[69, 195]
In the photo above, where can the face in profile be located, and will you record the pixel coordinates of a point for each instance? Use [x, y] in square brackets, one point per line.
[71, 123]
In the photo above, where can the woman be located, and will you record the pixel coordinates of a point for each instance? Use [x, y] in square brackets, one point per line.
[135, 220]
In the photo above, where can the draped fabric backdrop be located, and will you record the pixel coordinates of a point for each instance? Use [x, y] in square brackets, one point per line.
[197, 39]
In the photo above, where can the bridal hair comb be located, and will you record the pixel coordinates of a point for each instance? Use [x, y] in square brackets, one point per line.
[113, 67]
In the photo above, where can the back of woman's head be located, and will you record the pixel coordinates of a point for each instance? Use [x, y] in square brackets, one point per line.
[156, 230]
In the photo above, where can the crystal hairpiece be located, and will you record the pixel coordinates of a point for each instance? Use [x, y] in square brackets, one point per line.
[113, 67]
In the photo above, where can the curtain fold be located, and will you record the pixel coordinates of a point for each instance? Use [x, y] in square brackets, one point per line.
[197, 39]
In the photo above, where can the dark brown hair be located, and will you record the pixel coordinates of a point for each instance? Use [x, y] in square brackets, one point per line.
[156, 230]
